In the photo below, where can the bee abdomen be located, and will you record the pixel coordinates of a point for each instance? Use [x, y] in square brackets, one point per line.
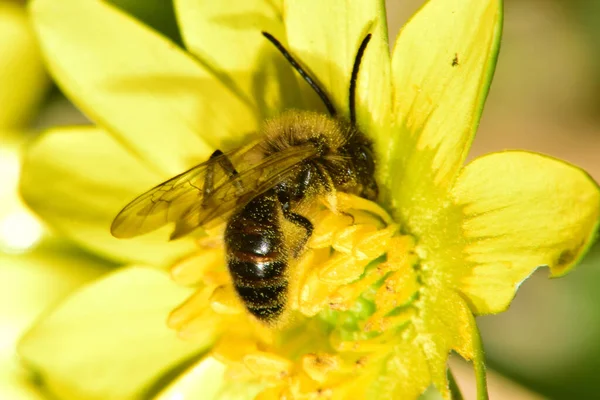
[257, 258]
[261, 285]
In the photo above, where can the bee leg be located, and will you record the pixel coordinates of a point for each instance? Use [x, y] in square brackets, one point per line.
[310, 176]
[225, 163]
[347, 214]
[302, 222]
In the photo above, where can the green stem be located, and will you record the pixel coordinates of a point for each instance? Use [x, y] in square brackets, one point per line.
[454, 389]
[479, 362]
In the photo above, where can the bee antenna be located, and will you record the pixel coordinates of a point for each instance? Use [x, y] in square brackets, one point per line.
[354, 78]
[302, 72]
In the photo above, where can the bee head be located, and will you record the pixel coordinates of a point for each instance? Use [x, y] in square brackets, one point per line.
[360, 153]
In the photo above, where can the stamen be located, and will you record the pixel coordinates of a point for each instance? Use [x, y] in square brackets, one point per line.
[268, 365]
[193, 308]
[341, 269]
[353, 292]
[320, 366]
[347, 201]
[192, 270]
[344, 298]
[398, 289]
[379, 322]
[224, 301]
[346, 240]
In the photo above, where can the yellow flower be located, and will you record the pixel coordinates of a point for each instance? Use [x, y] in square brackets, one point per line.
[30, 282]
[22, 74]
[380, 299]
[23, 82]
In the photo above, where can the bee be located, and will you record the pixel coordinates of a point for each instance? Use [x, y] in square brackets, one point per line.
[262, 187]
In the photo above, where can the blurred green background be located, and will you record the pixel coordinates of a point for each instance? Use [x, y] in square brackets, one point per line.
[545, 98]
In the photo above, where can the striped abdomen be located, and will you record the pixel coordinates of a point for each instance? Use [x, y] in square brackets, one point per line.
[257, 258]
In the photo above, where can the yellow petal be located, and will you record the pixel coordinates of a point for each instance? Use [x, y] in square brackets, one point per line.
[109, 340]
[444, 324]
[23, 80]
[518, 211]
[326, 35]
[78, 179]
[157, 100]
[227, 37]
[442, 66]
[404, 375]
[207, 379]
[29, 283]
[157, 14]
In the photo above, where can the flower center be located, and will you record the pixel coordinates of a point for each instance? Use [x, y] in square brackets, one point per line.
[351, 294]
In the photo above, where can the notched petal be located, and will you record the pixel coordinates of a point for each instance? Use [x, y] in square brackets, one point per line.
[520, 211]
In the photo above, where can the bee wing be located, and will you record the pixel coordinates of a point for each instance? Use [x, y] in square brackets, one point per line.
[228, 198]
[184, 199]
[168, 201]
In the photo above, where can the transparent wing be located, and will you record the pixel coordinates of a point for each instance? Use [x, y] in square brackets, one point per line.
[207, 191]
[257, 180]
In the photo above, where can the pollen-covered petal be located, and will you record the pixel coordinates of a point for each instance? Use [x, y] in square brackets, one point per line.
[227, 37]
[22, 74]
[325, 36]
[442, 66]
[77, 179]
[516, 211]
[161, 103]
[109, 340]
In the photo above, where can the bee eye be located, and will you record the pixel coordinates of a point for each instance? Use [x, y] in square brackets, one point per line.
[364, 157]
